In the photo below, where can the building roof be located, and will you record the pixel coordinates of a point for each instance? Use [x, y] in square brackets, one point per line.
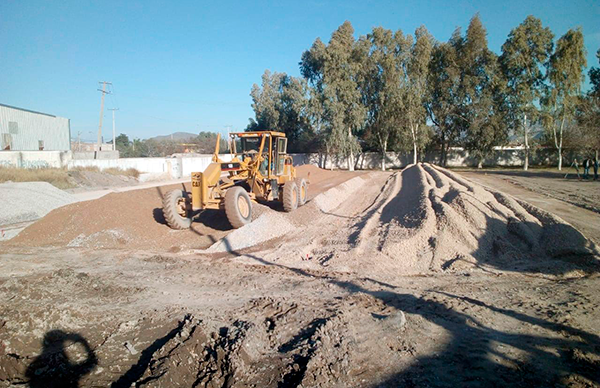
[27, 110]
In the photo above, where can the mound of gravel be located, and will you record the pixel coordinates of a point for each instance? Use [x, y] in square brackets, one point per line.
[430, 219]
[271, 224]
[29, 201]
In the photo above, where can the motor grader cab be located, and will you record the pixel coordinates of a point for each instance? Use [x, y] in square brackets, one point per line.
[260, 170]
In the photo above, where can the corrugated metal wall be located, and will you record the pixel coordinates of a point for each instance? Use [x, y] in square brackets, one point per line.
[24, 130]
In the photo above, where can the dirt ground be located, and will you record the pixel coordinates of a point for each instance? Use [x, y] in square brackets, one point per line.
[411, 278]
[577, 202]
[584, 193]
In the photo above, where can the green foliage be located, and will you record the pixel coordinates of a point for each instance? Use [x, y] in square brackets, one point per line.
[525, 55]
[483, 93]
[565, 75]
[595, 77]
[444, 105]
[334, 73]
[204, 143]
[381, 91]
[281, 103]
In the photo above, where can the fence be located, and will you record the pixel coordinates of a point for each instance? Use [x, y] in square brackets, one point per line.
[181, 165]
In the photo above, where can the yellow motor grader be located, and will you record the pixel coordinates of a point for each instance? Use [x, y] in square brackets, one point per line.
[260, 170]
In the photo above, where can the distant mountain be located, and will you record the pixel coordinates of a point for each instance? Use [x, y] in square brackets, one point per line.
[177, 136]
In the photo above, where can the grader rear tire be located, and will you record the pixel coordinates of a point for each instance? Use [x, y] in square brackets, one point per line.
[238, 207]
[302, 191]
[176, 210]
[290, 196]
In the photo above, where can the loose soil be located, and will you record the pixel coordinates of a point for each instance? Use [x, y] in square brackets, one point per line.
[416, 278]
[582, 217]
[584, 193]
[134, 220]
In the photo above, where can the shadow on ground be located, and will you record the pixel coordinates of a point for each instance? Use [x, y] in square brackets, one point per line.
[54, 367]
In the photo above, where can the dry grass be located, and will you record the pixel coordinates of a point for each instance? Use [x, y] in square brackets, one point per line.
[58, 177]
[131, 172]
[87, 168]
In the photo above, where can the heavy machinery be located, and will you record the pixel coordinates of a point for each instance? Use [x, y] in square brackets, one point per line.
[260, 170]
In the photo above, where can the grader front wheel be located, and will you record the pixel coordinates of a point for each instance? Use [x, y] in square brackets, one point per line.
[302, 191]
[290, 196]
[238, 207]
[176, 210]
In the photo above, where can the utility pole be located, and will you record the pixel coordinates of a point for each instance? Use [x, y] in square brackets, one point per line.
[79, 141]
[228, 126]
[103, 90]
[114, 136]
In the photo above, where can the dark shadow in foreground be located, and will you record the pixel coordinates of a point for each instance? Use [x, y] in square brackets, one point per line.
[54, 367]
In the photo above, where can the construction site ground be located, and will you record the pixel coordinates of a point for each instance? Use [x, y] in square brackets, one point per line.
[419, 277]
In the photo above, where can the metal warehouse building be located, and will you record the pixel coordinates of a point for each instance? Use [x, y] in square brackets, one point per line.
[27, 130]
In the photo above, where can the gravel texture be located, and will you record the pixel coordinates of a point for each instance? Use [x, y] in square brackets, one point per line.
[28, 201]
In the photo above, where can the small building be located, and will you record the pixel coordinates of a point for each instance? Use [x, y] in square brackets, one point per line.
[27, 130]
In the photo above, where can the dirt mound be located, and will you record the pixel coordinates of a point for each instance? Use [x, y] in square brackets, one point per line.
[275, 224]
[322, 180]
[134, 220]
[429, 219]
[131, 219]
[28, 201]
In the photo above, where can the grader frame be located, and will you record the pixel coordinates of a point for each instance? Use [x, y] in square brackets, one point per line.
[260, 170]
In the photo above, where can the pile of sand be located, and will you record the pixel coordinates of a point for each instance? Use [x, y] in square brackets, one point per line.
[430, 219]
[28, 201]
[131, 219]
[134, 220]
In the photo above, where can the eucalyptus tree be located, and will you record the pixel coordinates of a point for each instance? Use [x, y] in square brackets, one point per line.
[595, 77]
[281, 103]
[566, 76]
[524, 56]
[385, 57]
[444, 106]
[266, 100]
[334, 69]
[415, 98]
[481, 93]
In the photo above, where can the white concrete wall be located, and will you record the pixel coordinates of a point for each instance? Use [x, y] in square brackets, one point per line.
[176, 167]
[457, 157]
[35, 159]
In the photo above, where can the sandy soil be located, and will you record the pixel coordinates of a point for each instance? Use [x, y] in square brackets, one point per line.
[584, 219]
[134, 220]
[417, 278]
[584, 193]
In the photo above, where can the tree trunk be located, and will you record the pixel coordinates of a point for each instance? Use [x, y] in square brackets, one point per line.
[446, 148]
[383, 155]
[443, 149]
[559, 158]
[526, 132]
[415, 158]
[414, 136]
[562, 126]
[480, 163]
[351, 156]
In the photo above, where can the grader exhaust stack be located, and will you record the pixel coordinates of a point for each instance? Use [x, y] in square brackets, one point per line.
[260, 170]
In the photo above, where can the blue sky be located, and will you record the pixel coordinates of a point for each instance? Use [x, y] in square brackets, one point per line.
[189, 65]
